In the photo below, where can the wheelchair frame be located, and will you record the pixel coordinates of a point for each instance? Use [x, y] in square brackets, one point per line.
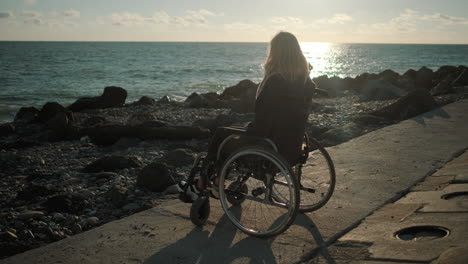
[200, 209]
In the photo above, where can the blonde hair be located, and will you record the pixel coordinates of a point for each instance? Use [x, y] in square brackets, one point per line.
[285, 57]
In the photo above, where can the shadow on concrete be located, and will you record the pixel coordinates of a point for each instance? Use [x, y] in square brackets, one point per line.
[199, 246]
[439, 112]
[322, 246]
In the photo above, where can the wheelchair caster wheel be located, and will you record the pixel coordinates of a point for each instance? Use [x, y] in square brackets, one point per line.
[235, 193]
[200, 211]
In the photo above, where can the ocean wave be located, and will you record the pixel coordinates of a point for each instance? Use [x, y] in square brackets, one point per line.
[8, 112]
[14, 98]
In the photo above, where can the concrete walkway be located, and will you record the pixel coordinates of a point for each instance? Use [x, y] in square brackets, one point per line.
[372, 171]
[441, 200]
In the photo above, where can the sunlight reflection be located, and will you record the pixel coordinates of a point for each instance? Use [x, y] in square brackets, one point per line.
[318, 54]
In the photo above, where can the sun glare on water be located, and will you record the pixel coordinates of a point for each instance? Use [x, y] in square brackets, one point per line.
[318, 54]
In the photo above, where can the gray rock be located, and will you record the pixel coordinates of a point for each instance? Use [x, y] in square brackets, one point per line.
[117, 195]
[179, 157]
[105, 175]
[146, 100]
[112, 97]
[113, 163]
[207, 100]
[26, 114]
[414, 103]
[6, 129]
[8, 236]
[131, 207]
[444, 86]
[49, 111]
[76, 228]
[155, 177]
[58, 217]
[380, 90]
[423, 78]
[462, 79]
[30, 215]
[92, 221]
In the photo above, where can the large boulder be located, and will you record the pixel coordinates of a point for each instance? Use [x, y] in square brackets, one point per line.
[449, 79]
[238, 90]
[414, 103]
[49, 111]
[146, 100]
[335, 86]
[207, 100]
[112, 97]
[411, 73]
[179, 157]
[405, 82]
[63, 126]
[446, 69]
[155, 177]
[26, 114]
[444, 86]
[462, 79]
[114, 163]
[6, 129]
[388, 76]
[423, 78]
[380, 90]
[241, 96]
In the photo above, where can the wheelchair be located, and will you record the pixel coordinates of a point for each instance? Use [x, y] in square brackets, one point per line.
[259, 191]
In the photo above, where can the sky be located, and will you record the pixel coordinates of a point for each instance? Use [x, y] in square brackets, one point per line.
[341, 21]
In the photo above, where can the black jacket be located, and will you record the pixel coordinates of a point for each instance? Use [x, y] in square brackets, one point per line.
[281, 112]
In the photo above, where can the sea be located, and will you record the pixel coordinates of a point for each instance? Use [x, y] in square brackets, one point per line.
[33, 73]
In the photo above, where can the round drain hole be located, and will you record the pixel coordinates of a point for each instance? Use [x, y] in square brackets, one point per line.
[422, 233]
[455, 195]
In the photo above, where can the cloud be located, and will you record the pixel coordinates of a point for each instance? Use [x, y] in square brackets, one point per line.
[71, 13]
[127, 18]
[194, 17]
[30, 2]
[339, 18]
[35, 21]
[30, 14]
[286, 20]
[160, 17]
[244, 27]
[191, 17]
[410, 20]
[445, 19]
[6, 14]
[406, 21]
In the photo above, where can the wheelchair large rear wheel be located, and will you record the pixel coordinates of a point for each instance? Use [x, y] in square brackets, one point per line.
[260, 194]
[316, 179]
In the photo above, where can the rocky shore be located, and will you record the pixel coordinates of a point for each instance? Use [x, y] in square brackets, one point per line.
[65, 170]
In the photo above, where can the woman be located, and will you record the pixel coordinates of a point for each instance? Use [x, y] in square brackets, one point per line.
[281, 108]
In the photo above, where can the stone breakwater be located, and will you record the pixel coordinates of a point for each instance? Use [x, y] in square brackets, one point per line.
[65, 170]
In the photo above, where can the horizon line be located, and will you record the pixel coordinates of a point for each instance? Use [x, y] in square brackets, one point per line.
[208, 41]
